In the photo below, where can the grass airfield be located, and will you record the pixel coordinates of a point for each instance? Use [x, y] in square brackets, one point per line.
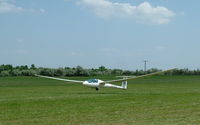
[155, 100]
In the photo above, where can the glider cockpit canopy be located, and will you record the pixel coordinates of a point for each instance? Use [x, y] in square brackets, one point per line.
[92, 81]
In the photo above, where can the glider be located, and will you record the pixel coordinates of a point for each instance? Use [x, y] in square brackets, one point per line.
[97, 83]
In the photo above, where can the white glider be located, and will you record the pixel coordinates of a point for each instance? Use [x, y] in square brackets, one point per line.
[97, 83]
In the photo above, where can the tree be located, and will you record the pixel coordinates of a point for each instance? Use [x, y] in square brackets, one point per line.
[46, 71]
[117, 72]
[127, 72]
[60, 72]
[69, 72]
[79, 71]
[25, 67]
[102, 68]
[1, 68]
[6, 67]
[33, 66]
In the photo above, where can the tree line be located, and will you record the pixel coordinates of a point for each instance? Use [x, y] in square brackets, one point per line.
[24, 70]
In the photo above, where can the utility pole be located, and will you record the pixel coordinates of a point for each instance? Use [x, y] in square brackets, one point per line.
[145, 66]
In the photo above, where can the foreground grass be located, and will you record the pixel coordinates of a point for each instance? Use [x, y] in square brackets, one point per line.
[162, 100]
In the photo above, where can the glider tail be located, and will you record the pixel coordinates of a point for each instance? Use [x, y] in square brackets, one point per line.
[124, 84]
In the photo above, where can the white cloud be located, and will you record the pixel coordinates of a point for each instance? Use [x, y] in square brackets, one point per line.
[143, 13]
[6, 7]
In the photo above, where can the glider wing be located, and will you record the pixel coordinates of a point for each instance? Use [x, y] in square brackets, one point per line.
[67, 80]
[136, 77]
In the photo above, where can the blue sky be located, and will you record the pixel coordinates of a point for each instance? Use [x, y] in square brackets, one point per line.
[91, 33]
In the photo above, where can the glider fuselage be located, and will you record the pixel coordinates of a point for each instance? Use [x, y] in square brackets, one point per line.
[93, 82]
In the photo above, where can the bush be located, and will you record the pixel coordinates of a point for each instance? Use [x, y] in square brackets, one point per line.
[4, 73]
[28, 72]
[16, 72]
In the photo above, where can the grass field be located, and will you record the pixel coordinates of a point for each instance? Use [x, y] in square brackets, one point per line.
[157, 100]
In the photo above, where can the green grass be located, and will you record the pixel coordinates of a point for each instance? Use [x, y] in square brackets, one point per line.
[157, 100]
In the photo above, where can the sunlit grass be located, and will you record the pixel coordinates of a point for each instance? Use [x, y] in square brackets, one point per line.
[157, 100]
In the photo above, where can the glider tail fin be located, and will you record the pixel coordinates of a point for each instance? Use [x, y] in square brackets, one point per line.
[124, 84]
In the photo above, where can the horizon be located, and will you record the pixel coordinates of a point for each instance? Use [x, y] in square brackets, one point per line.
[142, 69]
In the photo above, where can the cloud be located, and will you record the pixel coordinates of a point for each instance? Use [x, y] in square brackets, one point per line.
[6, 7]
[143, 13]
